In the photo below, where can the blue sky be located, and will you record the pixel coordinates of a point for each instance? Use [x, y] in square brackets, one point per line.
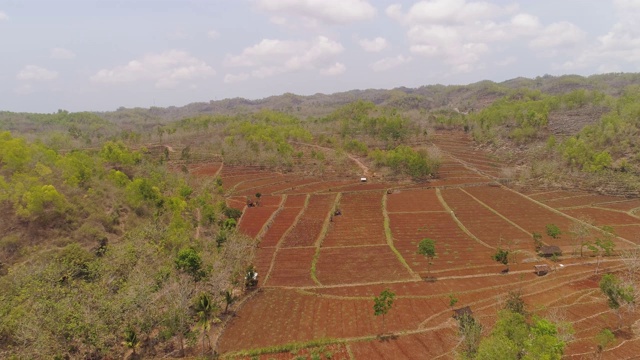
[103, 54]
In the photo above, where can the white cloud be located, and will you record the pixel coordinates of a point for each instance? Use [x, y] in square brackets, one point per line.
[333, 70]
[231, 78]
[507, 61]
[36, 73]
[270, 57]
[213, 34]
[3, 16]
[24, 89]
[390, 63]
[375, 45]
[167, 70]
[620, 46]
[62, 54]
[447, 12]
[562, 35]
[323, 11]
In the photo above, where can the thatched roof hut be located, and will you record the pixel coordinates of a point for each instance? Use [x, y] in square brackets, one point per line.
[550, 250]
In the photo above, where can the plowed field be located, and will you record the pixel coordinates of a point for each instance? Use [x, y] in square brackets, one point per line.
[320, 271]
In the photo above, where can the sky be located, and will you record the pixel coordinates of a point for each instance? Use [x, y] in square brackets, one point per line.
[99, 55]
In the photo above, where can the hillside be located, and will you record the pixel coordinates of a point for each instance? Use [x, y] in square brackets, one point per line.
[142, 232]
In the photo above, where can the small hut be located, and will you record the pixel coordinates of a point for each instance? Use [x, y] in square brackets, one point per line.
[541, 270]
[550, 250]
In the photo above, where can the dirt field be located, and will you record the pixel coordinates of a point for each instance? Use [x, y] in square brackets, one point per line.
[320, 271]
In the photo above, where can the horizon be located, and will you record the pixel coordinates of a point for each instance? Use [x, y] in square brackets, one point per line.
[69, 55]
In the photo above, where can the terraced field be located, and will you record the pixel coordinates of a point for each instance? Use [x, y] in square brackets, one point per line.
[319, 271]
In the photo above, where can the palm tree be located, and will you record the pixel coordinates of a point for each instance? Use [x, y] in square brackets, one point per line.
[205, 308]
[229, 299]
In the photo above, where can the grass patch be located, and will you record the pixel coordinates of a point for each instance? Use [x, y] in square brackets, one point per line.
[292, 348]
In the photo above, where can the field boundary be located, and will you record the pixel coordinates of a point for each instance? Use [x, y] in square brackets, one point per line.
[321, 236]
[389, 236]
[279, 244]
[269, 222]
[458, 222]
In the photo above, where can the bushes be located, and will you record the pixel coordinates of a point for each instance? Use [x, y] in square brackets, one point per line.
[405, 160]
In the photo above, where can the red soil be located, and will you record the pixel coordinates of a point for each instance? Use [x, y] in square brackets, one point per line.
[485, 224]
[428, 345]
[349, 265]
[292, 268]
[254, 218]
[581, 200]
[455, 250]
[413, 200]
[525, 213]
[281, 223]
[308, 227]
[602, 216]
[361, 222]
[205, 169]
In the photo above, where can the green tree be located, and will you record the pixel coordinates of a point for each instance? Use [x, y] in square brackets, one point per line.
[617, 293]
[453, 300]
[383, 303]
[502, 256]
[553, 231]
[604, 338]
[189, 261]
[427, 248]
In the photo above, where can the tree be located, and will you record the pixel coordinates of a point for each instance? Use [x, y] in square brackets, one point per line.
[580, 232]
[131, 340]
[427, 248]
[470, 331]
[229, 299]
[515, 338]
[383, 303]
[603, 246]
[189, 261]
[553, 231]
[617, 294]
[453, 300]
[515, 303]
[604, 338]
[502, 256]
[537, 241]
[205, 309]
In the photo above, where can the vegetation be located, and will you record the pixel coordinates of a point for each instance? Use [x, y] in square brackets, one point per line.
[383, 303]
[553, 231]
[618, 294]
[106, 250]
[91, 236]
[501, 256]
[427, 248]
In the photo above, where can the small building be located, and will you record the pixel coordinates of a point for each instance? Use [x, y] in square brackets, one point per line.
[462, 312]
[363, 179]
[550, 250]
[541, 270]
